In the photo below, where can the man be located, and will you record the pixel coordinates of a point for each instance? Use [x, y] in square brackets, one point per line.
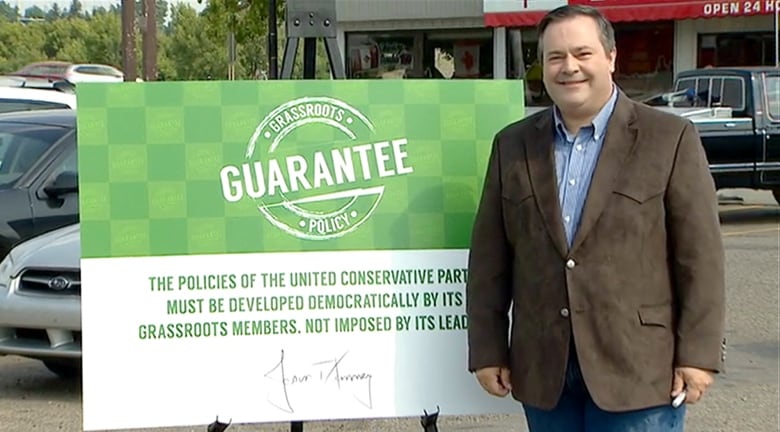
[598, 226]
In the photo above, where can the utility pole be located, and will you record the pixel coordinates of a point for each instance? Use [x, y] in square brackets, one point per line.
[231, 44]
[273, 71]
[150, 40]
[128, 40]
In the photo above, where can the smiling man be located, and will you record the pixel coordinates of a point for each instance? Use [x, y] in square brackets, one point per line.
[598, 235]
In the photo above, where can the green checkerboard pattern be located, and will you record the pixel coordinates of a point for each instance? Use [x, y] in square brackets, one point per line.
[150, 155]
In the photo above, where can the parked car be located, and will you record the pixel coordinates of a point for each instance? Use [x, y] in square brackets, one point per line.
[40, 301]
[737, 114]
[72, 72]
[25, 99]
[38, 174]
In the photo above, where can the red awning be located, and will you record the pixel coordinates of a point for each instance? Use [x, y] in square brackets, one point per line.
[513, 19]
[646, 10]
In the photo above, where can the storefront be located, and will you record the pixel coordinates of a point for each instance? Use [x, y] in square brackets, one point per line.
[725, 41]
[432, 53]
[416, 39]
[496, 39]
[655, 38]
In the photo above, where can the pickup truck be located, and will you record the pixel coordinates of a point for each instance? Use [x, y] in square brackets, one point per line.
[737, 114]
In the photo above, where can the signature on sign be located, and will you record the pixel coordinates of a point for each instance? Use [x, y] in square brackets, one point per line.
[332, 374]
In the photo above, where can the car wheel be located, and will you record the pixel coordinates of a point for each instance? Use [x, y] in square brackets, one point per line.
[64, 369]
[776, 193]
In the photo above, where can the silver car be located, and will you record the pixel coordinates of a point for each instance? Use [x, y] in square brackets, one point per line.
[40, 301]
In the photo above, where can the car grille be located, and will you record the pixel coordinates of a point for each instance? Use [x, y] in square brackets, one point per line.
[51, 282]
[40, 335]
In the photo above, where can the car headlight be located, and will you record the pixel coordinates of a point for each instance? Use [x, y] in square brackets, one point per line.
[6, 267]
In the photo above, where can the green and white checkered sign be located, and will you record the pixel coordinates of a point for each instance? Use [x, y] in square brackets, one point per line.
[183, 168]
[280, 250]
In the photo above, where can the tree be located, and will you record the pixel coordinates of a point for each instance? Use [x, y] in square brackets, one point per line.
[161, 14]
[34, 12]
[20, 44]
[75, 9]
[99, 10]
[103, 39]
[191, 45]
[248, 19]
[195, 53]
[54, 13]
[64, 39]
[7, 12]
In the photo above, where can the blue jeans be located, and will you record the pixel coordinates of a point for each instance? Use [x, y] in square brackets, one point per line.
[576, 412]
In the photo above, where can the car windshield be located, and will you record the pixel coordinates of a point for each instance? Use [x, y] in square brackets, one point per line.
[44, 69]
[21, 145]
[11, 105]
[98, 70]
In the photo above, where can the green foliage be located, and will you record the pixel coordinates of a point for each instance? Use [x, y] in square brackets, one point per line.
[54, 13]
[75, 9]
[7, 12]
[191, 45]
[34, 12]
[19, 45]
[194, 54]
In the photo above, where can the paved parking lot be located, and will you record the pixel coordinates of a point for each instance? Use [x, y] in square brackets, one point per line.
[745, 398]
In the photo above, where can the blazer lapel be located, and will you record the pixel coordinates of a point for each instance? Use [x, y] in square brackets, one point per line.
[618, 144]
[540, 156]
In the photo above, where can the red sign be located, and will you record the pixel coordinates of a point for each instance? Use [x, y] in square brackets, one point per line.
[680, 9]
[757, 7]
[650, 10]
[513, 19]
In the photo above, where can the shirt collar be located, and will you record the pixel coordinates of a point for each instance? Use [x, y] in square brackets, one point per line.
[599, 122]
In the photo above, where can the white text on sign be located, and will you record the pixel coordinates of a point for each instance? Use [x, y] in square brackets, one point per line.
[754, 7]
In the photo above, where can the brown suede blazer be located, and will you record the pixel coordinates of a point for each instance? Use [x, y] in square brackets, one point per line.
[641, 290]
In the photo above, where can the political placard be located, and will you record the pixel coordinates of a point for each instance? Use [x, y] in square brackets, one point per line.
[280, 250]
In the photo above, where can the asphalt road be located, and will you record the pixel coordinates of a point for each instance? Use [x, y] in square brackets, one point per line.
[745, 398]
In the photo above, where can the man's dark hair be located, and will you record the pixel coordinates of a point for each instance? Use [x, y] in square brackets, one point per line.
[607, 33]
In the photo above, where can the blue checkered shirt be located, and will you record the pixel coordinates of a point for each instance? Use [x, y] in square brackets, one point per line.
[575, 161]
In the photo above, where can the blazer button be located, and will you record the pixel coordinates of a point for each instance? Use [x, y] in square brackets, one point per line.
[565, 312]
[570, 264]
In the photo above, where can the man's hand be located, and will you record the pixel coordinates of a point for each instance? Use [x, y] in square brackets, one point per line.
[495, 380]
[694, 381]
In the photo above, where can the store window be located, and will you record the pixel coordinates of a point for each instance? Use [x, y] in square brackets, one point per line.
[736, 49]
[380, 55]
[458, 54]
[523, 63]
[644, 62]
[442, 54]
[644, 59]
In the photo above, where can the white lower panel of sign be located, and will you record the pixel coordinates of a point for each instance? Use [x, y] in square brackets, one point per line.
[267, 337]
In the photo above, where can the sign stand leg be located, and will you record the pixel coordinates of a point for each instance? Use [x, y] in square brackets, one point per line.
[310, 20]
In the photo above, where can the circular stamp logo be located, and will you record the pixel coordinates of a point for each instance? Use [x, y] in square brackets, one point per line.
[303, 181]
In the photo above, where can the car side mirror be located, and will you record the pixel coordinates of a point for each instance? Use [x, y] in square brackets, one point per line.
[66, 182]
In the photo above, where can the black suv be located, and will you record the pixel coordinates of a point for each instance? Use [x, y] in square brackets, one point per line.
[38, 174]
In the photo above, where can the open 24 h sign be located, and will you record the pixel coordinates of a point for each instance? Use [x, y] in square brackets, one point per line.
[277, 251]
